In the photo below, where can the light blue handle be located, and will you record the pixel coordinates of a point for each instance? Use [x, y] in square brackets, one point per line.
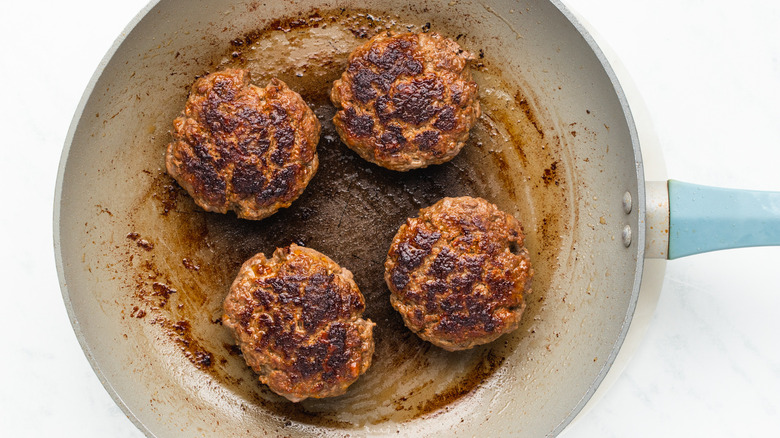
[703, 219]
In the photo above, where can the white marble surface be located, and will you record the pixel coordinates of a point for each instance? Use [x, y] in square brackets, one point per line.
[709, 364]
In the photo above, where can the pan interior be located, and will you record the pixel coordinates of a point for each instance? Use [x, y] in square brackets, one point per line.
[153, 268]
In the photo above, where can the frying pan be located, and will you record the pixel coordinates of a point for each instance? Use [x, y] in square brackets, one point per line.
[144, 271]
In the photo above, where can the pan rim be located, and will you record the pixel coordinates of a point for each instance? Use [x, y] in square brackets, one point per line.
[639, 234]
[77, 115]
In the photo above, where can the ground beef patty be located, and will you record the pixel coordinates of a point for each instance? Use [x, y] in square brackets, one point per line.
[406, 101]
[296, 318]
[457, 273]
[240, 147]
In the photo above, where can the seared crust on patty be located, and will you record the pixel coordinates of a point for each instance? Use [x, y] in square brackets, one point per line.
[406, 101]
[457, 273]
[297, 319]
[240, 147]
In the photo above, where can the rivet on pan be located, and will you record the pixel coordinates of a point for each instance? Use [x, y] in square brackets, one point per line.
[627, 202]
[627, 236]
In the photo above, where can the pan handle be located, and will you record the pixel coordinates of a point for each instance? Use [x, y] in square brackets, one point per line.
[702, 219]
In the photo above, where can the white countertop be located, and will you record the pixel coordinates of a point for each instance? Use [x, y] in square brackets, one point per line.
[709, 364]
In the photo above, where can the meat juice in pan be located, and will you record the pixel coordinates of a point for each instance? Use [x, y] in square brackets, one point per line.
[350, 211]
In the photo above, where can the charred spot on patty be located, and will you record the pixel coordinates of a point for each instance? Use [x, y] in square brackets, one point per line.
[392, 139]
[285, 137]
[446, 120]
[246, 179]
[357, 125]
[427, 141]
[443, 264]
[363, 84]
[202, 170]
[415, 101]
[280, 186]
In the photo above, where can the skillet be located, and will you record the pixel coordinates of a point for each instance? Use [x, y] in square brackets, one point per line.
[144, 271]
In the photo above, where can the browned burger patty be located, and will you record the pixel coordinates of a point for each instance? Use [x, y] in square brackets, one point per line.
[457, 273]
[406, 101]
[296, 318]
[240, 147]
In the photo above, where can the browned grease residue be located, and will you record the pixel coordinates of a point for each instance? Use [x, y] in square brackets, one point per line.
[350, 211]
[488, 364]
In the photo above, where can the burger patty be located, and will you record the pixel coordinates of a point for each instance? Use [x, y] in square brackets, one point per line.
[406, 101]
[297, 319]
[240, 147]
[457, 273]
